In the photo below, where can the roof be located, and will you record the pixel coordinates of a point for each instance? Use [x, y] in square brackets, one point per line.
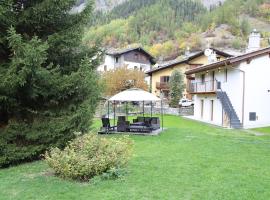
[118, 52]
[230, 61]
[134, 94]
[185, 60]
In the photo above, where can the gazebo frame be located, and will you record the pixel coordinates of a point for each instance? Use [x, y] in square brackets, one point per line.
[139, 96]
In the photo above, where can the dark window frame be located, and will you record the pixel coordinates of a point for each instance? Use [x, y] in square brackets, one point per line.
[252, 116]
[203, 78]
[116, 59]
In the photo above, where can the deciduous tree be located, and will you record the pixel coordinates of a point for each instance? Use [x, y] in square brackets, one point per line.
[123, 78]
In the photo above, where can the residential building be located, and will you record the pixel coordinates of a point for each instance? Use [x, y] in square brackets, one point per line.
[132, 58]
[234, 92]
[160, 75]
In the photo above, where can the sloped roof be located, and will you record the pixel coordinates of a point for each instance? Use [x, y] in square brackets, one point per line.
[230, 61]
[118, 52]
[192, 56]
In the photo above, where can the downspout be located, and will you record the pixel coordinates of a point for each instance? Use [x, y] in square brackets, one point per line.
[151, 84]
[244, 90]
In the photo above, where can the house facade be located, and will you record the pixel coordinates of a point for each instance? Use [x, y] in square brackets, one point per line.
[234, 92]
[160, 76]
[132, 58]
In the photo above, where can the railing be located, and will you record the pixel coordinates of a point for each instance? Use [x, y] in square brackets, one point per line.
[162, 85]
[202, 87]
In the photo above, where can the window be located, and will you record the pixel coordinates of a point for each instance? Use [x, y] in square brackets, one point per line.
[164, 79]
[202, 107]
[226, 75]
[203, 78]
[116, 59]
[143, 67]
[252, 116]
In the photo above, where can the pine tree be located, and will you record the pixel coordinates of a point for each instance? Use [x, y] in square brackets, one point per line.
[176, 87]
[48, 87]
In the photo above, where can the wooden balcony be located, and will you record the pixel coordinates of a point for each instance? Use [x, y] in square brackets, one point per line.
[207, 87]
[162, 85]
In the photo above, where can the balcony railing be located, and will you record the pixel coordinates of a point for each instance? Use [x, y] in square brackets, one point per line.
[162, 85]
[203, 87]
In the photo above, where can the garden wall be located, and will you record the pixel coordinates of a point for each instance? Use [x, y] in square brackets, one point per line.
[184, 111]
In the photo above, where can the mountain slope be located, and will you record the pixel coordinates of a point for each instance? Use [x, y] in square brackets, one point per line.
[106, 5]
[167, 27]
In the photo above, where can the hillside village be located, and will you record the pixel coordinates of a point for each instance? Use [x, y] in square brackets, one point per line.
[134, 99]
[212, 91]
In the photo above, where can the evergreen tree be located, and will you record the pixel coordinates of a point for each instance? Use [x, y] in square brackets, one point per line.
[177, 87]
[48, 88]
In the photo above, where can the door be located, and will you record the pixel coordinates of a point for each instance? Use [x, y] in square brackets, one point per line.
[212, 110]
[225, 119]
[202, 108]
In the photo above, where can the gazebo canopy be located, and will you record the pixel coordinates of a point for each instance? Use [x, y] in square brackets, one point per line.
[134, 94]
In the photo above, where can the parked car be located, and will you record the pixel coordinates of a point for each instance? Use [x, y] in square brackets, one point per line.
[186, 103]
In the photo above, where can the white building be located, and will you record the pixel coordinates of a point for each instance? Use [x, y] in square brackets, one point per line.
[234, 92]
[132, 58]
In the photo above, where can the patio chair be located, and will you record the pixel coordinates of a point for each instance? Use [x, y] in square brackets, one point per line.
[122, 124]
[155, 123]
[106, 126]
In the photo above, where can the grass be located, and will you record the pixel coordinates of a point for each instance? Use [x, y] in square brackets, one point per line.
[262, 130]
[189, 160]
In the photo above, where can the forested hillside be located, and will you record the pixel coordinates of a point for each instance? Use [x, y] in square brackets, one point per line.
[167, 27]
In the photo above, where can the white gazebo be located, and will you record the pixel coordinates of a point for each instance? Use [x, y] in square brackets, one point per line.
[135, 95]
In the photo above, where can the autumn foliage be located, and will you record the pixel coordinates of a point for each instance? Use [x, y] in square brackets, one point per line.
[123, 78]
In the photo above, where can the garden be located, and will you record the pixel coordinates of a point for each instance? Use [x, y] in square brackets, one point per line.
[189, 160]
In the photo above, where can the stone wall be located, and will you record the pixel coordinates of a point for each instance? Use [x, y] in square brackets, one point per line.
[184, 111]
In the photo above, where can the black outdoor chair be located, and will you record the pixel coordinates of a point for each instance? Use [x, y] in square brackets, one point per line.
[155, 123]
[106, 126]
[122, 124]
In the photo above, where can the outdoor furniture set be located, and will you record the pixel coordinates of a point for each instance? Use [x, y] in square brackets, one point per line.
[139, 125]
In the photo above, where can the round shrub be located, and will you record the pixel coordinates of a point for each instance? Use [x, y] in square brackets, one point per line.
[89, 155]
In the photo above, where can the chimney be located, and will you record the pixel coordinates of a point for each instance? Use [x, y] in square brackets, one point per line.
[254, 42]
[187, 52]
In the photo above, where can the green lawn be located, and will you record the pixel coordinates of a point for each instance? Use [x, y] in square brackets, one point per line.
[263, 130]
[188, 161]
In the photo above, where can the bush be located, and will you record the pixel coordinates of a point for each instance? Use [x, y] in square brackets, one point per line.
[238, 43]
[90, 155]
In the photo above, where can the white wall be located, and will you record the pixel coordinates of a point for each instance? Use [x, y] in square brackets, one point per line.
[217, 109]
[257, 97]
[109, 61]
